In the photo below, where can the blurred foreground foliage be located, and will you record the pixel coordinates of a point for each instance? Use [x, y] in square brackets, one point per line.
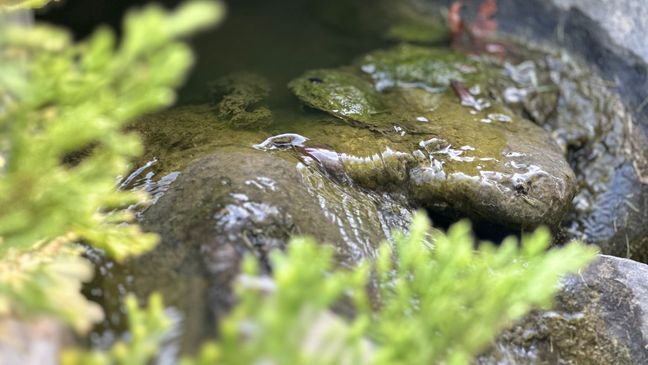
[63, 106]
[440, 301]
[22, 4]
[147, 329]
[436, 300]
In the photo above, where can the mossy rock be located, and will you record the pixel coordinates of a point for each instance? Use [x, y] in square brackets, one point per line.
[237, 201]
[483, 162]
[599, 318]
[240, 100]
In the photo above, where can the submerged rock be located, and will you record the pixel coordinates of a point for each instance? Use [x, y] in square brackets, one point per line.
[240, 201]
[175, 137]
[600, 317]
[239, 100]
[405, 20]
[477, 159]
[343, 94]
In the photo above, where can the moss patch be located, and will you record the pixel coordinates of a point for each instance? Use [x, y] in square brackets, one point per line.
[240, 99]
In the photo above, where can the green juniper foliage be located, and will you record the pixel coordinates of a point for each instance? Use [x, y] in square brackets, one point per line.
[58, 100]
[440, 301]
[147, 328]
[22, 4]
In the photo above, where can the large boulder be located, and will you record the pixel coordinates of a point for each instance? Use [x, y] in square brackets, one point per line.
[608, 36]
[241, 201]
[464, 155]
[600, 317]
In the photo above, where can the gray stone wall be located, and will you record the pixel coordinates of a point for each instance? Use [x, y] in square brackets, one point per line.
[626, 21]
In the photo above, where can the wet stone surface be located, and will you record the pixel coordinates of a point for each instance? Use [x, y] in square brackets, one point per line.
[240, 201]
[599, 137]
[481, 161]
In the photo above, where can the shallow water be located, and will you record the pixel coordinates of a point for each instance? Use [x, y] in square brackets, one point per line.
[276, 39]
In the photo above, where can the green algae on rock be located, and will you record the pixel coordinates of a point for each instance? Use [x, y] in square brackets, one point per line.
[239, 100]
[344, 94]
[484, 162]
[175, 137]
[508, 172]
[385, 89]
[414, 66]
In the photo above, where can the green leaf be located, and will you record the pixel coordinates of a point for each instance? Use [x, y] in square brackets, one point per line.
[63, 108]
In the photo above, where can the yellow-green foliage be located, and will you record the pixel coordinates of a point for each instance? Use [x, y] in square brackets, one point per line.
[443, 301]
[58, 100]
[147, 329]
[47, 280]
[439, 301]
[22, 4]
